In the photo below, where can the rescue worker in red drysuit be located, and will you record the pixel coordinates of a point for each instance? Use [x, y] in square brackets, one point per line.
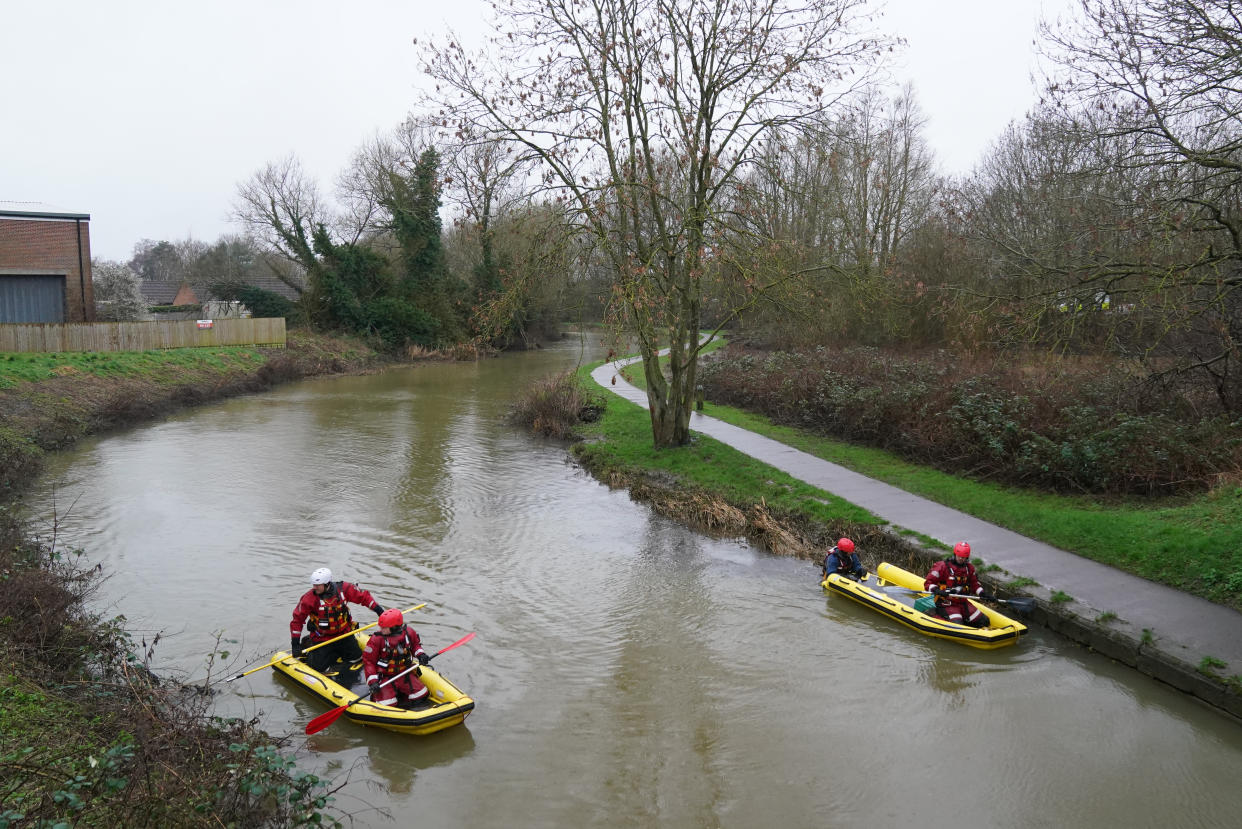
[325, 611]
[956, 575]
[392, 650]
[843, 561]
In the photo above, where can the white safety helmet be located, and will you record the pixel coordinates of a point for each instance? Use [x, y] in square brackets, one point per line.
[321, 576]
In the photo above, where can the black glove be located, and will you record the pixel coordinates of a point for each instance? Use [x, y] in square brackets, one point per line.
[423, 659]
[862, 574]
[374, 685]
[296, 643]
[378, 610]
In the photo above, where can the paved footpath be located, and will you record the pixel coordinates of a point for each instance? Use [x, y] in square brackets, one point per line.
[1183, 626]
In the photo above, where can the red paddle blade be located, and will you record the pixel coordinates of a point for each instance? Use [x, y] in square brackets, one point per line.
[460, 641]
[324, 720]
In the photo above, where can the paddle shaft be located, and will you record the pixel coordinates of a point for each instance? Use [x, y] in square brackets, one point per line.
[1021, 604]
[319, 645]
[326, 719]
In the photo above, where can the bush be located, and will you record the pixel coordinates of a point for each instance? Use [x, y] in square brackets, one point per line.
[264, 303]
[20, 460]
[145, 751]
[554, 406]
[1060, 426]
[398, 323]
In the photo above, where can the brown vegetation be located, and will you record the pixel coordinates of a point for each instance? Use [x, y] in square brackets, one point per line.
[1091, 425]
[554, 406]
[143, 752]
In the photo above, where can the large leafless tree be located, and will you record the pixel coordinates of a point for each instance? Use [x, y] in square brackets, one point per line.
[280, 206]
[644, 115]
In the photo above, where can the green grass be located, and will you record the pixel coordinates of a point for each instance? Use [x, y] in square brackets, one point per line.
[1209, 664]
[1191, 543]
[162, 366]
[1060, 597]
[708, 464]
[1194, 544]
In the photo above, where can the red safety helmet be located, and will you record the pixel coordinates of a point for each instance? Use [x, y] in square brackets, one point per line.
[845, 545]
[961, 549]
[391, 618]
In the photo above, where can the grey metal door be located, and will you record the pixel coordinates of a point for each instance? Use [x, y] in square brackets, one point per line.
[32, 298]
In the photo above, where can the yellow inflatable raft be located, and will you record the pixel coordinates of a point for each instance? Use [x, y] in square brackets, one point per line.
[446, 705]
[1001, 630]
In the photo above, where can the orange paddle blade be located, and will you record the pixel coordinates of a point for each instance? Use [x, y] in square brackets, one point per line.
[324, 720]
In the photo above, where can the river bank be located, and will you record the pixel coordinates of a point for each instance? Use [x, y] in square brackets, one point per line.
[607, 635]
[678, 484]
[147, 749]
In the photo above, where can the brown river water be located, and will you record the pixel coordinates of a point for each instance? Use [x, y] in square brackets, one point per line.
[627, 670]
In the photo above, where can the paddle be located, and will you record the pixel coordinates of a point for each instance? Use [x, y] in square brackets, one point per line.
[1021, 605]
[320, 645]
[327, 718]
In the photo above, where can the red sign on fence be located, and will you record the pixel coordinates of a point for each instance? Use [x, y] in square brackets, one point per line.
[204, 323]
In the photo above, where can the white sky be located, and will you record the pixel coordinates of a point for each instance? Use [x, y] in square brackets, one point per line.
[147, 113]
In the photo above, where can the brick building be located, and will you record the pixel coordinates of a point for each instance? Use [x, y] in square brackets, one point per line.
[45, 264]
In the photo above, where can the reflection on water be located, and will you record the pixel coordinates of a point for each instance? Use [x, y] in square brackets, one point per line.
[627, 671]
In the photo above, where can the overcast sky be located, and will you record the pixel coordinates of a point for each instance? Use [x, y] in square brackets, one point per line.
[147, 113]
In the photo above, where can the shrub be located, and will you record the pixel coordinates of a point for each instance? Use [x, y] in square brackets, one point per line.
[20, 459]
[554, 406]
[1058, 425]
[398, 323]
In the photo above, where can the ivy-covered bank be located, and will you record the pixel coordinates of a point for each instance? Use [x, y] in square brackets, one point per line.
[89, 736]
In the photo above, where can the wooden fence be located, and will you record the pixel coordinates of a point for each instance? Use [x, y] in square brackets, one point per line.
[141, 336]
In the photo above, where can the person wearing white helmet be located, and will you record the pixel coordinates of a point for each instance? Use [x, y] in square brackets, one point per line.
[324, 609]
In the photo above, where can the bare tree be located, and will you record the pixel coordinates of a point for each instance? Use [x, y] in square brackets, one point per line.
[1162, 80]
[280, 206]
[841, 194]
[644, 114]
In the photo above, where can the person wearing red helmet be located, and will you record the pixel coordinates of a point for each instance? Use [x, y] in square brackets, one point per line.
[842, 560]
[951, 580]
[324, 610]
[394, 648]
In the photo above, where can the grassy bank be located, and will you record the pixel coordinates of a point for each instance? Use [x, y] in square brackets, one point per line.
[145, 751]
[49, 401]
[1191, 542]
[718, 488]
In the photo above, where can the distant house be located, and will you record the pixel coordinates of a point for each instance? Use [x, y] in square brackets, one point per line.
[273, 285]
[159, 292]
[45, 264]
[164, 293]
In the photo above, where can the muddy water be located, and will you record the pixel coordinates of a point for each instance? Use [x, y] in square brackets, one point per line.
[627, 671]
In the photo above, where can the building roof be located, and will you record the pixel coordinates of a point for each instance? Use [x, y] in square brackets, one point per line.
[158, 292]
[38, 210]
[271, 283]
